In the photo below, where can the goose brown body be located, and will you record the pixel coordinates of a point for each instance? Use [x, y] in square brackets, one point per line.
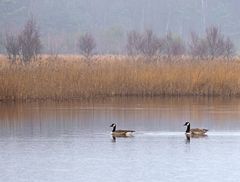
[198, 131]
[195, 131]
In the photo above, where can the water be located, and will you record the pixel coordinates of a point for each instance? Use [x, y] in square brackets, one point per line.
[71, 141]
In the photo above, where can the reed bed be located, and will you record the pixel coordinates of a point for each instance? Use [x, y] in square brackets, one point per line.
[69, 77]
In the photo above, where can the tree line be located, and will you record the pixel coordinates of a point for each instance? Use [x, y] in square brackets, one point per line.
[212, 44]
[26, 45]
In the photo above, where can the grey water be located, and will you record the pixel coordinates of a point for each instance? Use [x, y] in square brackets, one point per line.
[71, 141]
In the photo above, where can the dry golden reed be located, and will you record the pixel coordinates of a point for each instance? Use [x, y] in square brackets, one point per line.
[68, 77]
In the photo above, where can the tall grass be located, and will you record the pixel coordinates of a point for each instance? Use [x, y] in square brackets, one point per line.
[68, 77]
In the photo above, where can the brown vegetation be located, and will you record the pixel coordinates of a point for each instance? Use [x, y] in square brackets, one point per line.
[69, 77]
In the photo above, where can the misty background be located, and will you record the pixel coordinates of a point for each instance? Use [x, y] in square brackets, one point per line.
[61, 22]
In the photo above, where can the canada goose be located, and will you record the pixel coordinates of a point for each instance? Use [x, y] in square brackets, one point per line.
[195, 131]
[120, 133]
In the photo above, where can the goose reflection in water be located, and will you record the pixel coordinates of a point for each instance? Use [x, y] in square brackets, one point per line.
[189, 137]
[114, 138]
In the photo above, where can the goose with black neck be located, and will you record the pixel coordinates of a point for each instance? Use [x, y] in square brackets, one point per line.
[120, 133]
[194, 132]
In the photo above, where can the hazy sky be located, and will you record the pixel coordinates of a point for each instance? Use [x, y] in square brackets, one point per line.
[62, 21]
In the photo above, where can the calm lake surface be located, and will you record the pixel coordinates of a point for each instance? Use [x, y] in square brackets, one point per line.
[71, 141]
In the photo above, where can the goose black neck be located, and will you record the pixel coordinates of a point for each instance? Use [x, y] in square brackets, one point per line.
[114, 129]
[188, 129]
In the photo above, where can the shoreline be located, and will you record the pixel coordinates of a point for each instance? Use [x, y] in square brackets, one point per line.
[104, 98]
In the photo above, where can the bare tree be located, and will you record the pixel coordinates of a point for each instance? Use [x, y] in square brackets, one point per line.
[215, 41]
[217, 44]
[193, 44]
[197, 46]
[86, 45]
[178, 47]
[229, 48]
[29, 40]
[147, 44]
[213, 45]
[134, 41]
[173, 45]
[150, 44]
[1, 42]
[12, 46]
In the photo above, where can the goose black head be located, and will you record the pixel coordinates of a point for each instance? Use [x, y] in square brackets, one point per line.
[187, 124]
[113, 125]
